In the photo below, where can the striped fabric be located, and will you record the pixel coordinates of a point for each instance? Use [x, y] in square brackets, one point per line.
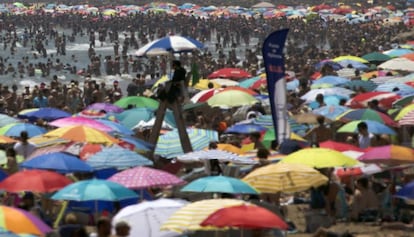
[190, 216]
[169, 144]
[116, 157]
[407, 119]
[286, 178]
[220, 155]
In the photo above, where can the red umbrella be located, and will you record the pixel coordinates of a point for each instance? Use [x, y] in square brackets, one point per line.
[245, 216]
[361, 101]
[40, 181]
[259, 83]
[230, 73]
[339, 146]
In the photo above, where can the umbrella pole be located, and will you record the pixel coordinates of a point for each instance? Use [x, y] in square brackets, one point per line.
[96, 210]
[142, 195]
[241, 232]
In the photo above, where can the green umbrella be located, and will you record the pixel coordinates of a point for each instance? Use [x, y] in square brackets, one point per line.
[376, 57]
[137, 101]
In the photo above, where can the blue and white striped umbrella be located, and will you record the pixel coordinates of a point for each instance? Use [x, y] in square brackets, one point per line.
[220, 155]
[117, 157]
[169, 145]
[169, 44]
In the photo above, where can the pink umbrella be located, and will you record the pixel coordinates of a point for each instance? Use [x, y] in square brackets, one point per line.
[388, 155]
[75, 121]
[144, 177]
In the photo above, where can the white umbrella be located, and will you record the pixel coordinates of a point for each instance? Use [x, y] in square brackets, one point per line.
[147, 217]
[225, 82]
[401, 64]
[169, 44]
[214, 154]
[143, 125]
[311, 95]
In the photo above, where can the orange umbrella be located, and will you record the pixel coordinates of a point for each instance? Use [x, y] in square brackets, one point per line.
[4, 139]
[82, 134]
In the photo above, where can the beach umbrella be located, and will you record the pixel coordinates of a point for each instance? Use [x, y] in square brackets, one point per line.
[406, 100]
[137, 143]
[96, 114]
[359, 170]
[353, 64]
[116, 127]
[82, 134]
[247, 83]
[361, 100]
[230, 73]
[189, 217]
[116, 157]
[407, 119]
[389, 155]
[5, 140]
[374, 127]
[168, 45]
[169, 144]
[332, 80]
[94, 190]
[214, 154]
[404, 111]
[5, 120]
[397, 87]
[245, 217]
[203, 84]
[285, 177]
[229, 99]
[398, 64]
[339, 146]
[47, 114]
[137, 101]
[145, 177]
[107, 107]
[393, 53]
[22, 222]
[338, 91]
[376, 57]
[150, 215]
[223, 82]
[331, 111]
[219, 184]
[144, 125]
[245, 129]
[204, 95]
[58, 161]
[319, 158]
[80, 121]
[406, 192]
[229, 148]
[334, 65]
[40, 181]
[14, 130]
[366, 114]
[357, 84]
[349, 57]
[129, 118]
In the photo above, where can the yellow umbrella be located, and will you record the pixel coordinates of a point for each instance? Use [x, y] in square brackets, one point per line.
[161, 80]
[349, 57]
[203, 84]
[4, 139]
[82, 134]
[404, 111]
[285, 177]
[319, 158]
[189, 217]
[229, 148]
[296, 137]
